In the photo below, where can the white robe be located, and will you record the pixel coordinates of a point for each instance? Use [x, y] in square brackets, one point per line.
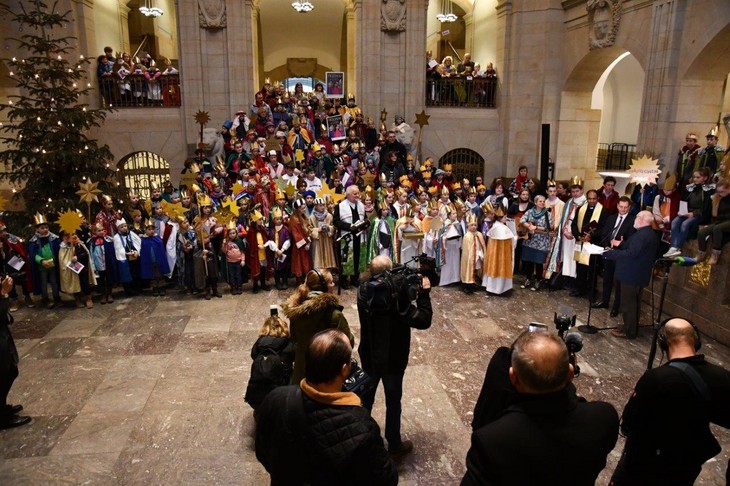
[451, 269]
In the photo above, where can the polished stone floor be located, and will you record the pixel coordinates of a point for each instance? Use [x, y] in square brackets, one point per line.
[150, 390]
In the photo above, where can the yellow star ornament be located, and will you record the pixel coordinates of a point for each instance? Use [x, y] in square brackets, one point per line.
[69, 221]
[88, 191]
[175, 210]
[326, 192]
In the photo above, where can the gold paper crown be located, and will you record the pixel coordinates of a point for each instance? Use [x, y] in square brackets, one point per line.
[670, 183]
[472, 190]
[433, 204]
[154, 185]
[402, 191]
[576, 181]
[280, 195]
[414, 202]
[465, 181]
[105, 199]
[406, 183]
[428, 162]
[383, 179]
[408, 211]
[204, 200]
[481, 187]
[487, 207]
[350, 96]
[472, 218]
[423, 168]
[713, 133]
[444, 191]
[409, 157]
[231, 225]
[455, 186]
[149, 222]
[552, 183]
[447, 167]
[426, 174]
[256, 216]
[40, 219]
[277, 213]
[383, 204]
[433, 190]
[691, 135]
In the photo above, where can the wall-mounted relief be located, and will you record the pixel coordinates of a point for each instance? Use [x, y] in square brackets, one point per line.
[212, 14]
[393, 16]
[604, 17]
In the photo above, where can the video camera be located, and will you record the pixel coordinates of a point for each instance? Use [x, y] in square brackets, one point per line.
[404, 282]
[573, 340]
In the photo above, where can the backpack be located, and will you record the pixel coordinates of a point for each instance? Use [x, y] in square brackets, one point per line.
[267, 372]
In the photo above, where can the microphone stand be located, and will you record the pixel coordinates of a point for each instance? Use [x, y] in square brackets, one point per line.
[587, 328]
[667, 265]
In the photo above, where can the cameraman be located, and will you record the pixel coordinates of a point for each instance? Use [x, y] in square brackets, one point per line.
[544, 423]
[386, 311]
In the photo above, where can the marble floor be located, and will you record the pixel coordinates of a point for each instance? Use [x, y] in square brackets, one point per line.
[150, 390]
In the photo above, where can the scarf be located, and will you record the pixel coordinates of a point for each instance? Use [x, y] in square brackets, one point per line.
[319, 216]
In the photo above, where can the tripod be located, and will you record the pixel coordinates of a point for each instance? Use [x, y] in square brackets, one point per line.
[666, 266]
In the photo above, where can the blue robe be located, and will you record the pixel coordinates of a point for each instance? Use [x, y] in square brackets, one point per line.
[153, 252]
[34, 245]
[110, 259]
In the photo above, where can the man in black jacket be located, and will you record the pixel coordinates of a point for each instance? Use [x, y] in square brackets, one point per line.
[386, 317]
[8, 362]
[317, 434]
[667, 419]
[618, 228]
[634, 262]
[545, 425]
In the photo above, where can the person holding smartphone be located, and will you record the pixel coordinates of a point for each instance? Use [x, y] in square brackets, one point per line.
[9, 417]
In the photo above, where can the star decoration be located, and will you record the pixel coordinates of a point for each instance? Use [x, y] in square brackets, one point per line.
[202, 117]
[369, 179]
[175, 210]
[231, 206]
[188, 179]
[89, 191]
[644, 170]
[326, 192]
[69, 221]
[237, 189]
[224, 216]
[422, 119]
[290, 190]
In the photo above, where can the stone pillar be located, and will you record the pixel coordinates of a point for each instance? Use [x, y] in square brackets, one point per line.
[257, 64]
[660, 85]
[124, 25]
[86, 46]
[529, 90]
[353, 13]
[469, 32]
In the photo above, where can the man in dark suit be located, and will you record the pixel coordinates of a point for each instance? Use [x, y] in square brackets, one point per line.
[527, 444]
[618, 228]
[634, 263]
[587, 226]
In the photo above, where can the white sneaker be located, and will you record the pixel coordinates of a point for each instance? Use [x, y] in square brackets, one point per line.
[673, 252]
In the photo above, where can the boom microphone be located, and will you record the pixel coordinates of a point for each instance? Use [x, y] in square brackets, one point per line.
[680, 261]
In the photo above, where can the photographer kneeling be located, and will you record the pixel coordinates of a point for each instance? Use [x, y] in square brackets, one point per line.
[544, 423]
[387, 313]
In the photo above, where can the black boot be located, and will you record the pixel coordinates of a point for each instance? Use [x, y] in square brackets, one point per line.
[215, 292]
[262, 277]
[255, 286]
[207, 293]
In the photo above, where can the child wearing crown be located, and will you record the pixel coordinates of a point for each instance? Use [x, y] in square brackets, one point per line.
[473, 251]
[322, 231]
[234, 251]
[279, 238]
[408, 237]
[153, 259]
[76, 270]
[187, 240]
[101, 252]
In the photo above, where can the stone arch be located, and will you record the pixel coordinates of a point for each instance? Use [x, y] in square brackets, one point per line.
[579, 124]
[139, 170]
[466, 163]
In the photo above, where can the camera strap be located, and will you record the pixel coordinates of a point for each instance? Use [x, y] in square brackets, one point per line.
[699, 384]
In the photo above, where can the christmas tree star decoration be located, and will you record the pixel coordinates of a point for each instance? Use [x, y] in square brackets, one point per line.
[290, 190]
[644, 170]
[69, 221]
[326, 192]
[422, 119]
[231, 206]
[89, 191]
[175, 210]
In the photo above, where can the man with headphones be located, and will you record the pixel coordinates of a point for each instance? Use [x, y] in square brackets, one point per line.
[667, 419]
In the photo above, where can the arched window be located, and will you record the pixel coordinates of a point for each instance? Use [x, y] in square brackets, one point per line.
[466, 163]
[138, 170]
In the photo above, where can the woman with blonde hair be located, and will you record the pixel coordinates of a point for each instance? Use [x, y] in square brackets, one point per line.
[312, 308]
[273, 358]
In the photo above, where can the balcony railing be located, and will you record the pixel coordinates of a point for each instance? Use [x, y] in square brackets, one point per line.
[135, 90]
[614, 156]
[461, 92]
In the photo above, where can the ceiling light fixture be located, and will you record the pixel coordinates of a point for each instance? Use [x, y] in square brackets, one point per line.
[148, 10]
[302, 7]
[447, 13]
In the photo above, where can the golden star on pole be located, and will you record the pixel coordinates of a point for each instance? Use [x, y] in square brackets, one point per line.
[422, 118]
[202, 117]
[290, 190]
[69, 221]
[175, 210]
[327, 192]
[89, 191]
[232, 206]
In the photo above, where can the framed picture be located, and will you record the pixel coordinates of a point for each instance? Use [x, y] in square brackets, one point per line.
[335, 84]
[336, 128]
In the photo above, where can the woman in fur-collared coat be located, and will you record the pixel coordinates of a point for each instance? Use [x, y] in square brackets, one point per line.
[313, 308]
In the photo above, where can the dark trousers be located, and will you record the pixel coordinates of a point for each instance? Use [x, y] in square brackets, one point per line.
[585, 279]
[7, 377]
[234, 274]
[609, 268]
[393, 387]
[630, 308]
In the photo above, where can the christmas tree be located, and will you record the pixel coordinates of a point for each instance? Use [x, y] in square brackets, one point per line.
[46, 150]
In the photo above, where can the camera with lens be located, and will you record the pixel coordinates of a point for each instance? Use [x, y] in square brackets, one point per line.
[403, 283]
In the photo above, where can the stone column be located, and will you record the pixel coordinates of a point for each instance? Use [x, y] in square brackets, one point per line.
[86, 46]
[124, 25]
[469, 32]
[660, 85]
[353, 13]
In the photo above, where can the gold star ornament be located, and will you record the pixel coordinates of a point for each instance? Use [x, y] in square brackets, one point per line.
[88, 191]
[644, 170]
[326, 192]
[422, 119]
[69, 221]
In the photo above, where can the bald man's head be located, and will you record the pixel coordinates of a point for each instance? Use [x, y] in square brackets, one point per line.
[540, 363]
[679, 331]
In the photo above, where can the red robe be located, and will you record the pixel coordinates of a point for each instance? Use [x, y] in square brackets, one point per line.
[301, 262]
